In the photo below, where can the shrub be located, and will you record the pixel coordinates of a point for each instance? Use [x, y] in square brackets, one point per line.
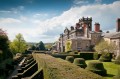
[57, 68]
[118, 74]
[117, 61]
[87, 55]
[105, 57]
[70, 59]
[31, 70]
[80, 62]
[96, 67]
[38, 74]
[96, 56]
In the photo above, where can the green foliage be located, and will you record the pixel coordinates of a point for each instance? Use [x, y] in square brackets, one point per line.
[70, 59]
[31, 70]
[56, 68]
[86, 56]
[106, 57]
[40, 46]
[48, 46]
[80, 62]
[117, 61]
[95, 56]
[32, 47]
[18, 45]
[104, 46]
[4, 46]
[97, 67]
[68, 46]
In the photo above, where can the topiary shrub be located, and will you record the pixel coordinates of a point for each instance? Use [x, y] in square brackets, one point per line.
[80, 62]
[70, 59]
[118, 75]
[96, 56]
[117, 61]
[96, 67]
[105, 57]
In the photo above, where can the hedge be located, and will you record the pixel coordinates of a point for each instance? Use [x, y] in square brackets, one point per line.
[80, 62]
[70, 59]
[86, 56]
[97, 67]
[31, 70]
[38, 74]
[56, 68]
[117, 61]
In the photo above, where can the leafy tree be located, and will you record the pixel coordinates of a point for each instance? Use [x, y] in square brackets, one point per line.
[48, 46]
[31, 47]
[68, 46]
[40, 46]
[18, 45]
[4, 46]
[105, 47]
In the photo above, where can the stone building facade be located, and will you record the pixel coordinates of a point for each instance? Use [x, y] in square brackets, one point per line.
[81, 36]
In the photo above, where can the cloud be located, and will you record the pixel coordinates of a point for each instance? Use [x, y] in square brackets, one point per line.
[105, 14]
[17, 9]
[80, 2]
[48, 30]
[98, 1]
[9, 20]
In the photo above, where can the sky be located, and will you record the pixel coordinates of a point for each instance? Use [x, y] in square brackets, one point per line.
[45, 20]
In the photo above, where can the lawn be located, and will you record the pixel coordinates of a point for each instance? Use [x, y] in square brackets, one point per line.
[110, 67]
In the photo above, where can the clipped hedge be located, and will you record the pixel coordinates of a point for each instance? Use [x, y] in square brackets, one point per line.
[97, 67]
[70, 59]
[117, 61]
[80, 62]
[56, 68]
[105, 58]
[96, 56]
[86, 56]
[31, 70]
[38, 74]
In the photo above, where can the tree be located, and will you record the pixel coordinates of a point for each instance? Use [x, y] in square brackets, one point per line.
[18, 45]
[41, 46]
[68, 46]
[105, 47]
[32, 47]
[48, 46]
[4, 46]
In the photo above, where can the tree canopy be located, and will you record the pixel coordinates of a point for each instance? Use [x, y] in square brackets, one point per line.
[68, 46]
[4, 46]
[103, 46]
[18, 45]
[40, 46]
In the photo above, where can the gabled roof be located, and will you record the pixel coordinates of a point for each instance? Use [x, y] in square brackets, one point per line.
[111, 35]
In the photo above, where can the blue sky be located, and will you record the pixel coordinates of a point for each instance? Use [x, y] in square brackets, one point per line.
[44, 20]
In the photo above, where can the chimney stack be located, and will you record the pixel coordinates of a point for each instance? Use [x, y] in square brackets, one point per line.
[118, 25]
[97, 27]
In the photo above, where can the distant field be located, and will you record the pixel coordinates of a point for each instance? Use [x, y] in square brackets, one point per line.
[110, 67]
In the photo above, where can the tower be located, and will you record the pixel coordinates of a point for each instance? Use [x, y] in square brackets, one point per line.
[118, 25]
[87, 22]
[97, 27]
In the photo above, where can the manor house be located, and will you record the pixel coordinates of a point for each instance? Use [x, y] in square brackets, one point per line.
[82, 37]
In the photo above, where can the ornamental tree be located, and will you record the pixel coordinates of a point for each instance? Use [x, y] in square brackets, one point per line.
[18, 45]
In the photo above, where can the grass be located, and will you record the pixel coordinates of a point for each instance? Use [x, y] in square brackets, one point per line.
[111, 68]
